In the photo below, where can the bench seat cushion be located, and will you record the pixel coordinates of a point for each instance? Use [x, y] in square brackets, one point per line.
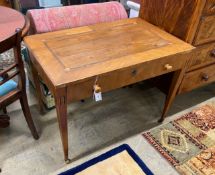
[58, 18]
[7, 87]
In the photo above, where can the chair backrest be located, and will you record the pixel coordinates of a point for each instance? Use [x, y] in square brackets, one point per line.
[29, 3]
[25, 5]
[18, 67]
[58, 18]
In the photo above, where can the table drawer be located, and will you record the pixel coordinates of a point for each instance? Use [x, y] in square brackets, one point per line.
[123, 77]
[209, 7]
[206, 31]
[197, 78]
[202, 56]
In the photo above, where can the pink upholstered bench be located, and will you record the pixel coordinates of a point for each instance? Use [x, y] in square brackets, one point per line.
[58, 18]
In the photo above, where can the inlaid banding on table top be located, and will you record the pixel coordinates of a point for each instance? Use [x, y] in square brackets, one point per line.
[95, 47]
[108, 47]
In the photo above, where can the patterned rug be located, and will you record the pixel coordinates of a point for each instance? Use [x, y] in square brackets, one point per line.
[6, 59]
[188, 143]
[118, 161]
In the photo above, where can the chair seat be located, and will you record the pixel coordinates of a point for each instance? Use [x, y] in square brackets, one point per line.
[7, 87]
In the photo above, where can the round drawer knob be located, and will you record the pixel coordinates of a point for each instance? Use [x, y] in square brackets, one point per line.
[168, 67]
[134, 72]
[205, 77]
[213, 53]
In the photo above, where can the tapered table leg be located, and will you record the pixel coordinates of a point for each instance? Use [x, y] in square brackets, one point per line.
[61, 108]
[176, 80]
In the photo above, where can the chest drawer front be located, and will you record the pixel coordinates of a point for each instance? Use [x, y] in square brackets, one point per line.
[198, 78]
[202, 56]
[209, 7]
[120, 78]
[206, 32]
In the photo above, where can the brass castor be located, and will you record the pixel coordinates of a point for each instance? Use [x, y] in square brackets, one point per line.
[67, 161]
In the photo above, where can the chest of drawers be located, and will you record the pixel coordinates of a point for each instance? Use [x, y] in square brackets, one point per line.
[194, 22]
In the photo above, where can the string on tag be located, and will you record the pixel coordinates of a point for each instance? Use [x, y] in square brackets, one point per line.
[97, 94]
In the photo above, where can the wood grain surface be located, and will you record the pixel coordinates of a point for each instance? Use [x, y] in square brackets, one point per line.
[194, 22]
[4, 3]
[85, 52]
[209, 7]
[178, 17]
[198, 78]
[204, 55]
[206, 32]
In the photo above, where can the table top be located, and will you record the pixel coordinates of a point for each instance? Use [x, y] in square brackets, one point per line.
[10, 20]
[73, 55]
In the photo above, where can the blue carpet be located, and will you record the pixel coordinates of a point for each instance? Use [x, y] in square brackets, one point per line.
[107, 155]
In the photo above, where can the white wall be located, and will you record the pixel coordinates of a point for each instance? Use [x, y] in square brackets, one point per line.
[49, 3]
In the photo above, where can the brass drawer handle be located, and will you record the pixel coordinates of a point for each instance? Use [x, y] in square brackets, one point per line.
[168, 67]
[205, 77]
[213, 53]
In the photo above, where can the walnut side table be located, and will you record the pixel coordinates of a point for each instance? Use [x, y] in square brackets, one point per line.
[110, 55]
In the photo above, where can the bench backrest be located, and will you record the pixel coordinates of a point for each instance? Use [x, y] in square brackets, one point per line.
[58, 18]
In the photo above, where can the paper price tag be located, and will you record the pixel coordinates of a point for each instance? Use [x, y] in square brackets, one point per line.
[97, 96]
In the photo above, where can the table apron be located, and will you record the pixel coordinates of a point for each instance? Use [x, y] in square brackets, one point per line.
[126, 76]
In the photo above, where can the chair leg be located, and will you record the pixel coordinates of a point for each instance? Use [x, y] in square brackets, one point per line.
[27, 114]
[4, 121]
[5, 110]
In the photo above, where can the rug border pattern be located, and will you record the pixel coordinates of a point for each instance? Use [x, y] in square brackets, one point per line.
[107, 155]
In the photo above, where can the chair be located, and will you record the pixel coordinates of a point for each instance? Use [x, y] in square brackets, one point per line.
[11, 91]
